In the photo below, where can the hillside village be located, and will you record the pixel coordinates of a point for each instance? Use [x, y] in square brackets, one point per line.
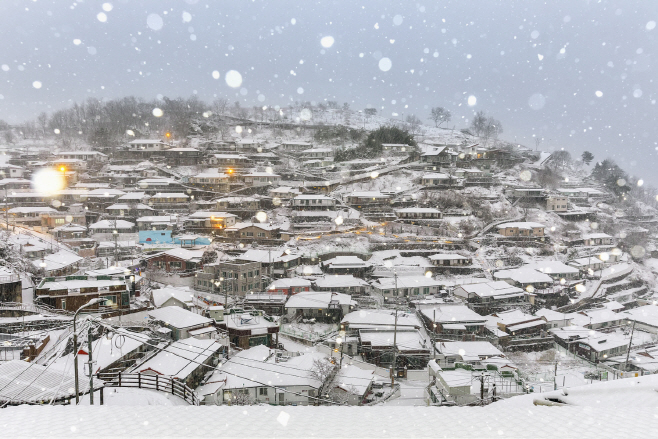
[314, 255]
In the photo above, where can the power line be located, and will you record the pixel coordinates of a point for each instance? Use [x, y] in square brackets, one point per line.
[229, 373]
[37, 377]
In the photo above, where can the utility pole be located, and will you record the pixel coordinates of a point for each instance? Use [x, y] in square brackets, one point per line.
[395, 351]
[482, 388]
[115, 234]
[434, 335]
[628, 352]
[555, 377]
[91, 368]
[6, 210]
[395, 275]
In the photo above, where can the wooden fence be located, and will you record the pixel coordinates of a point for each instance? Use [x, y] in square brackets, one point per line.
[160, 383]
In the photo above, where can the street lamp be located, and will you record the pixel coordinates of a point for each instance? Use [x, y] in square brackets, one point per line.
[339, 341]
[75, 345]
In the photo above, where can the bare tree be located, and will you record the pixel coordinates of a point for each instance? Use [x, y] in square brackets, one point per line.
[414, 123]
[242, 398]
[322, 369]
[440, 115]
[479, 123]
[492, 129]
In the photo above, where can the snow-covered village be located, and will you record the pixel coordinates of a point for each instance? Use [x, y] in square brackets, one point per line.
[312, 264]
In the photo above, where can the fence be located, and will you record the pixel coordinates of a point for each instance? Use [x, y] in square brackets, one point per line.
[155, 382]
[306, 335]
[36, 308]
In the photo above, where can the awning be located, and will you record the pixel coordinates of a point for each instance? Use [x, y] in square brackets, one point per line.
[201, 331]
[508, 296]
[455, 327]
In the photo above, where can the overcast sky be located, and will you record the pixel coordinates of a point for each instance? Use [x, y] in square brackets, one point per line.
[579, 74]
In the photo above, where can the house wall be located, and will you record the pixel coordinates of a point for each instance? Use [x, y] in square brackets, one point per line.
[11, 291]
[269, 395]
[164, 262]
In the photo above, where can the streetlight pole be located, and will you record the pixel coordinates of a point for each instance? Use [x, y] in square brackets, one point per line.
[395, 351]
[75, 346]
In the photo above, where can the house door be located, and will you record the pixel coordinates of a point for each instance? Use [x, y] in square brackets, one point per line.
[281, 395]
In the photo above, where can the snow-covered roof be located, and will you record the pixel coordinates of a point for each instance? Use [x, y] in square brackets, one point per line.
[318, 299]
[552, 267]
[145, 141]
[157, 219]
[346, 262]
[368, 194]
[380, 318]
[647, 314]
[112, 224]
[434, 150]
[81, 153]
[181, 253]
[468, 348]
[406, 282]
[266, 256]
[436, 176]
[69, 227]
[212, 215]
[182, 357]
[313, 197]
[553, 316]
[56, 261]
[170, 195]
[106, 192]
[261, 174]
[405, 339]
[596, 236]
[255, 366]
[339, 281]
[451, 313]
[23, 382]
[133, 196]
[179, 317]
[523, 275]
[520, 225]
[37, 209]
[352, 378]
[161, 295]
[418, 210]
[138, 206]
[262, 226]
[489, 289]
[447, 257]
[289, 282]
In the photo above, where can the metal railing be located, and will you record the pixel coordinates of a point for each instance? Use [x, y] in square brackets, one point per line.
[160, 383]
[36, 308]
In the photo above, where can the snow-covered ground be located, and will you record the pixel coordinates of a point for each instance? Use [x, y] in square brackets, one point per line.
[617, 409]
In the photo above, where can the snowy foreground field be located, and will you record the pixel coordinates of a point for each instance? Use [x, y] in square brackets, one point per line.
[618, 409]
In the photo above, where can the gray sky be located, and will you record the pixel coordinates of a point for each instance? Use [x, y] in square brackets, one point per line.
[536, 66]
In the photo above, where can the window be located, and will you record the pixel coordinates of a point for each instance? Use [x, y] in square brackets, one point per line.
[262, 391]
[175, 264]
[426, 290]
[59, 220]
[63, 303]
